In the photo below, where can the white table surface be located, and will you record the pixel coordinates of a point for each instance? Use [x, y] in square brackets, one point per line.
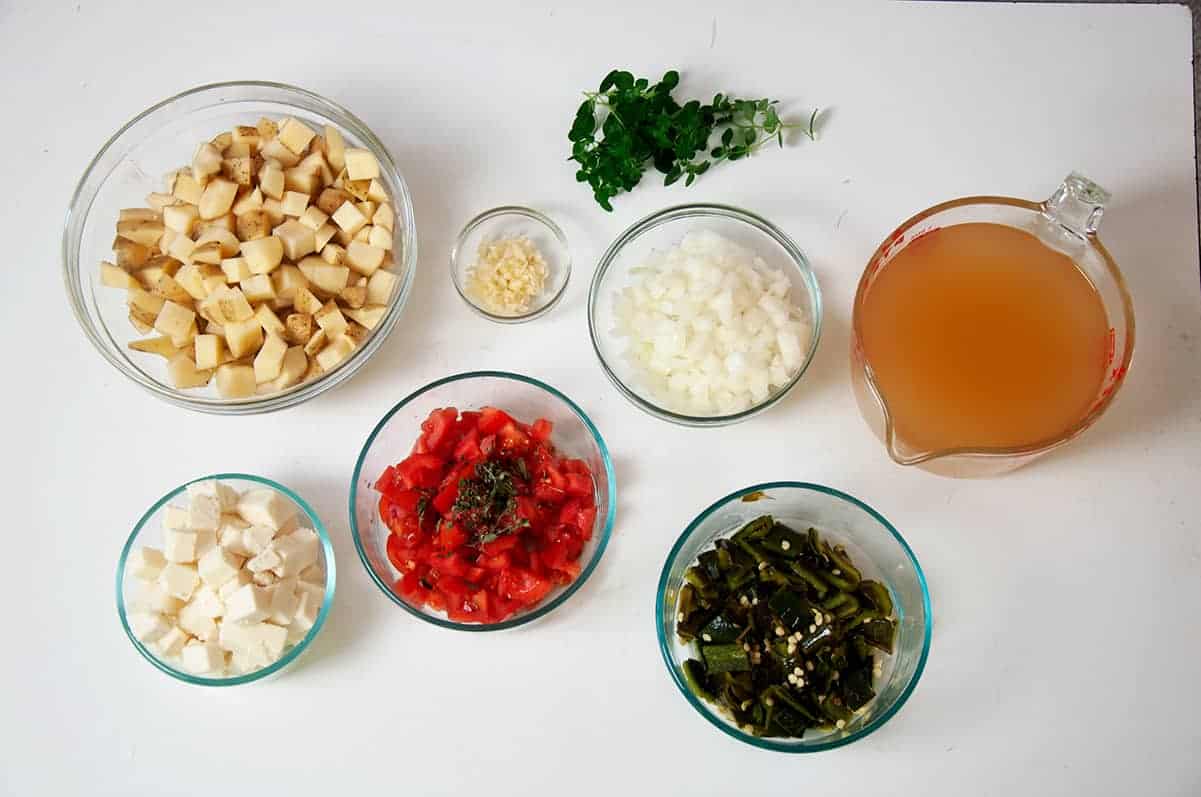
[1066, 596]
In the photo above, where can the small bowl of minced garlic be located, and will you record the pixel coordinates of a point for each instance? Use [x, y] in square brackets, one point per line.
[510, 264]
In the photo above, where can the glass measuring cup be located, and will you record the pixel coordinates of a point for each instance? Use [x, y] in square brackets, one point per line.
[1066, 222]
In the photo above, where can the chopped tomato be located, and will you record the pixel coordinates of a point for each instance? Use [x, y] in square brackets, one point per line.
[485, 517]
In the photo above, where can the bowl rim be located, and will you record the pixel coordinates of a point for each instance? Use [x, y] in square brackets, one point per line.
[283, 661]
[495, 213]
[772, 743]
[542, 609]
[704, 210]
[299, 393]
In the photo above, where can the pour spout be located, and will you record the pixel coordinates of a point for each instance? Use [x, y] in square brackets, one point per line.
[1077, 205]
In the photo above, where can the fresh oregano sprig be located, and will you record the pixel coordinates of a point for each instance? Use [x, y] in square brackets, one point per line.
[627, 123]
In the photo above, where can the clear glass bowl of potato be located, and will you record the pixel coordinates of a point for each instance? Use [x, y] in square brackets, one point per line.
[240, 247]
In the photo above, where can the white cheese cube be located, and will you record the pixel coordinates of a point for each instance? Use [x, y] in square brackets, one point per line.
[192, 618]
[153, 598]
[225, 495]
[309, 598]
[229, 536]
[243, 662]
[205, 542]
[219, 566]
[171, 643]
[145, 563]
[267, 560]
[179, 546]
[257, 538]
[175, 518]
[265, 507]
[296, 551]
[207, 602]
[179, 580]
[273, 638]
[254, 645]
[240, 579]
[204, 513]
[264, 578]
[202, 658]
[249, 604]
[148, 627]
[283, 601]
[314, 574]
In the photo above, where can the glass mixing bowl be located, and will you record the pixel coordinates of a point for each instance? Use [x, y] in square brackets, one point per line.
[875, 546]
[132, 164]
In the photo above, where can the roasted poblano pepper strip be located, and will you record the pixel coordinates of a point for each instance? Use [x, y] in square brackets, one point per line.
[786, 628]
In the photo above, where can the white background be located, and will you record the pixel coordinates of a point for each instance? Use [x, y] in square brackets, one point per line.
[1066, 596]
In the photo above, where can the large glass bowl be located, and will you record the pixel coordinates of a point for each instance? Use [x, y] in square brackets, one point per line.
[149, 532]
[875, 547]
[132, 164]
[526, 399]
[662, 230]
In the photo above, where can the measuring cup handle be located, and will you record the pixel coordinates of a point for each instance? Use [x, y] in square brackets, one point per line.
[1077, 205]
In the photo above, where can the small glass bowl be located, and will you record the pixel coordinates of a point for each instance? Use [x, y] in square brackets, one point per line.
[662, 230]
[512, 221]
[149, 532]
[876, 548]
[132, 163]
[526, 399]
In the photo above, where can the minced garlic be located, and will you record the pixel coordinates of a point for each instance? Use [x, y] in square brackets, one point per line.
[508, 274]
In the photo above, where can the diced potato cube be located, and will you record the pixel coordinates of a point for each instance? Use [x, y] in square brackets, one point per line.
[162, 346]
[331, 199]
[184, 374]
[114, 277]
[366, 207]
[286, 279]
[253, 200]
[263, 255]
[323, 234]
[271, 180]
[130, 255]
[268, 320]
[277, 152]
[274, 210]
[355, 296]
[243, 337]
[158, 200]
[364, 258]
[139, 299]
[380, 238]
[206, 162]
[236, 269]
[222, 140]
[357, 189]
[146, 233]
[301, 180]
[348, 218]
[295, 203]
[270, 359]
[369, 316]
[331, 320]
[191, 278]
[384, 217]
[258, 288]
[208, 253]
[295, 135]
[298, 240]
[298, 328]
[187, 189]
[313, 218]
[305, 302]
[181, 248]
[334, 353]
[138, 214]
[237, 149]
[294, 365]
[181, 218]
[361, 164]
[363, 235]
[376, 192]
[235, 381]
[335, 148]
[238, 170]
[333, 254]
[325, 277]
[226, 240]
[209, 351]
[139, 321]
[226, 305]
[380, 287]
[245, 134]
[254, 224]
[169, 289]
[218, 198]
[226, 223]
[174, 320]
[316, 343]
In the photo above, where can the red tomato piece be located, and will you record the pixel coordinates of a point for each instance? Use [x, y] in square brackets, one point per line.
[451, 537]
[512, 440]
[548, 493]
[578, 484]
[576, 466]
[421, 470]
[468, 447]
[492, 419]
[439, 431]
[522, 586]
[541, 430]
